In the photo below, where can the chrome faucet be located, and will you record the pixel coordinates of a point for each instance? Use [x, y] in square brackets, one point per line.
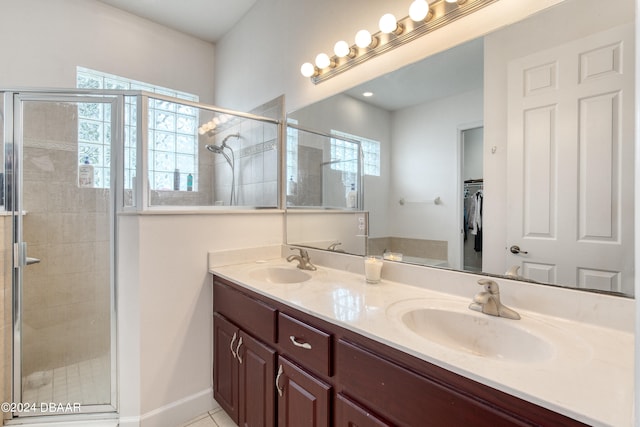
[304, 262]
[488, 301]
[333, 247]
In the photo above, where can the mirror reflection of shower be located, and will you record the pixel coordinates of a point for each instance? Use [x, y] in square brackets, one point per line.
[231, 160]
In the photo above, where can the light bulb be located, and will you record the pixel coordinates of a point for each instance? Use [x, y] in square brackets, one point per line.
[419, 10]
[307, 69]
[388, 23]
[323, 60]
[342, 49]
[363, 39]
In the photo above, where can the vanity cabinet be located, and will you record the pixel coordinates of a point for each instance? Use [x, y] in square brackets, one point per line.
[305, 371]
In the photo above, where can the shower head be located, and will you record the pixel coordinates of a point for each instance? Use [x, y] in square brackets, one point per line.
[233, 135]
[214, 148]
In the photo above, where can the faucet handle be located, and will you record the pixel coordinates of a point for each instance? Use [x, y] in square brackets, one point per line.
[489, 286]
[303, 252]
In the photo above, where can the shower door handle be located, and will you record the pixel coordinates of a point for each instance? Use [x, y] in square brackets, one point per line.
[20, 258]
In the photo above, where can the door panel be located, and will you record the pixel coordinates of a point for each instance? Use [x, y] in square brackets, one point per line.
[570, 162]
[304, 400]
[225, 365]
[257, 378]
[64, 324]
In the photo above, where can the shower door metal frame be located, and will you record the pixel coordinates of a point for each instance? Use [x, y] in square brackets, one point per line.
[14, 139]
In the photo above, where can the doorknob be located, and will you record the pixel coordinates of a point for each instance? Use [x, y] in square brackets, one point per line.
[515, 249]
[32, 260]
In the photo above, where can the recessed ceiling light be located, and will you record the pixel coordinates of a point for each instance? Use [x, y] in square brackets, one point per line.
[367, 94]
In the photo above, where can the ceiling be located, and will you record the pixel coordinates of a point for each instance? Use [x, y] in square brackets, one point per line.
[454, 71]
[205, 19]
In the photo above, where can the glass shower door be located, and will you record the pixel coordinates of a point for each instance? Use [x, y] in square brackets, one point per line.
[63, 204]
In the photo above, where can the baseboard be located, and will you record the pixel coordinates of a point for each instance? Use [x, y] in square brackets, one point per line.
[175, 413]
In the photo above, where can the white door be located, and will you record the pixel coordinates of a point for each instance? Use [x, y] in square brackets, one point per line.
[571, 163]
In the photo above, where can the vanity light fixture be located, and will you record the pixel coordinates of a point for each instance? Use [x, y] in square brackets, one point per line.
[364, 39]
[388, 24]
[424, 17]
[323, 61]
[308, 70]
[419, 11]
[367, 94]
[342, 49]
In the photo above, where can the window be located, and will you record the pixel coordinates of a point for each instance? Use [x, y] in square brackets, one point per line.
[345, 151]
[292, 152]
[172, 133]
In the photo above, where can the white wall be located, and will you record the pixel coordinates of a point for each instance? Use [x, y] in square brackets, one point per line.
[425, 164]
[261, 57]
[42, 42]
[165, 308]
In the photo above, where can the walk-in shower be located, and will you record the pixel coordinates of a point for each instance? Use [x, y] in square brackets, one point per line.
[145, 153]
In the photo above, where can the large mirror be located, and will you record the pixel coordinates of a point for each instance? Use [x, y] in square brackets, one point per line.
[511, 154]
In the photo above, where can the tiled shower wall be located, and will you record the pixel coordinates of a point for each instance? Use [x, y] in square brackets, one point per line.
[66, 297]
[256, 160]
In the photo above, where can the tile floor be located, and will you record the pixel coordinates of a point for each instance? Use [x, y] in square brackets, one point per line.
[86, 382]
[215, 418]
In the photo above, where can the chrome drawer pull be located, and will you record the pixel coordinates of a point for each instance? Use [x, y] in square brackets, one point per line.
[231, 345]
[278, 380]
[238, 350]
[295, 342]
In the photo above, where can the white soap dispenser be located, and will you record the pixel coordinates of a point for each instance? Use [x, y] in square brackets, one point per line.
[352, 197]
[85, 174]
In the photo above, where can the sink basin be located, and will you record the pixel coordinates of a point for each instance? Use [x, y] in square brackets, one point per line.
[280, 275]
[484, 335]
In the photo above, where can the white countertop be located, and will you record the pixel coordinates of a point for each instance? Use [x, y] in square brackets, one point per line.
[587, 375]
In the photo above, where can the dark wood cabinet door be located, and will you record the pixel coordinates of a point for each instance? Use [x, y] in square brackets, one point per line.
[303, 400]
[225, 365]
[350, 414]
[257, 379]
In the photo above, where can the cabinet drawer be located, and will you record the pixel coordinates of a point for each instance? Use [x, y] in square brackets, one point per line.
[307, 345]
[248, 313]
[349, 413]
[409, 399]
